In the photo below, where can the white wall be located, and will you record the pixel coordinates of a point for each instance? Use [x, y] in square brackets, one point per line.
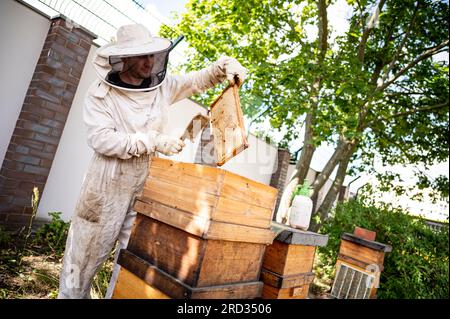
[72, 156]
[22, 36]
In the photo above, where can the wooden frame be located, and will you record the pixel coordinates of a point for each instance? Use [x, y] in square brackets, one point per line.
[227, 124]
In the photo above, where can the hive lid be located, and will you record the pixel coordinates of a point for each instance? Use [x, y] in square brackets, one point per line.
[293, 236]
[228, 125]
[367, 243]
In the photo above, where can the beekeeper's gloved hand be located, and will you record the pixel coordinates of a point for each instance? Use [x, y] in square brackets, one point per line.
[232, 69]
[168, 145]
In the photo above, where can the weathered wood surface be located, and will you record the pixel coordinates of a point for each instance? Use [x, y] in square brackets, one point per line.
[129, 286]
[279, 281]
[175, 288]
[196, 261]
[227, 124]
[270, 292]
[204, 192]
[287, 259]
[366, 243]
[361, 253]
[292, 236]
[205, 228]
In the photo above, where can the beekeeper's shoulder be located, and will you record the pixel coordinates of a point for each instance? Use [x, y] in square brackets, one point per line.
[98, 90]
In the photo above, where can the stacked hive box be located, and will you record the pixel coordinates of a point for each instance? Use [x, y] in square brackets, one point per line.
[201, 232]
[359, 265]
[287, 267]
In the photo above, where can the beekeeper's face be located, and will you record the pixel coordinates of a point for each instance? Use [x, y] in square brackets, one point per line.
[139, 67]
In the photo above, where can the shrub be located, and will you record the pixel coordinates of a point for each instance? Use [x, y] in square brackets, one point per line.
[418, 265]
[53, 234]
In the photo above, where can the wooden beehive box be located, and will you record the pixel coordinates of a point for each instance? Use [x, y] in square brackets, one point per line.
[359, 265]
[139, 279]
[201, 228]
[227, 124]
[208, 202]
[287, 266]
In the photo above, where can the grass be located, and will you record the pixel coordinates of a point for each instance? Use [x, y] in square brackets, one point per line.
[31, 271]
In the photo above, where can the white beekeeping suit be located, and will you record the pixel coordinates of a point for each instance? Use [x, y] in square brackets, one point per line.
[124, 127]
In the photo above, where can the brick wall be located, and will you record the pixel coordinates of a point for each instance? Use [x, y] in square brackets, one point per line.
[279, 177]
[41, 121]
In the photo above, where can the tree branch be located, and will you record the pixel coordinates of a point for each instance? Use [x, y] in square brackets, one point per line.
[369, 27]
[423, 109]
[413, 63]
[402, 44]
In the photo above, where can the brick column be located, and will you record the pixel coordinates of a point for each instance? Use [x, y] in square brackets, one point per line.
[279, 177]
[41, 122]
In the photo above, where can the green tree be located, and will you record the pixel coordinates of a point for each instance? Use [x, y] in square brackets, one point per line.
[375, 89]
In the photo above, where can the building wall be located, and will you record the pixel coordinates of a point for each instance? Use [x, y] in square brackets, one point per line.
[21, 45]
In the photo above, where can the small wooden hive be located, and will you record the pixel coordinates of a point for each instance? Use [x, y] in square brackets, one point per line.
[359, 265]
[201, 232]
[287, 266]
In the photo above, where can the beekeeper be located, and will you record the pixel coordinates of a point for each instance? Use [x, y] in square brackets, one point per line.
[125, 113]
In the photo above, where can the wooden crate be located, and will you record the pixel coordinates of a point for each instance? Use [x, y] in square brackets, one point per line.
[288, 261]
[139, 279]
[196, 261]
[285, 287]
[203, 226]
[362, 255]
[207, 201]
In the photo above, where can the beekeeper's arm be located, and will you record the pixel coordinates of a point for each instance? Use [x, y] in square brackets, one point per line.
[105, 139]
[183, 86]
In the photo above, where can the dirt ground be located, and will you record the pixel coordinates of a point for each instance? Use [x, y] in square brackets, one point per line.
[32, 272]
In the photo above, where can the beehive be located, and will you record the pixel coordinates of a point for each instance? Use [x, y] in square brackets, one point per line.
[201, 232]
[288, 262]
[359, 265]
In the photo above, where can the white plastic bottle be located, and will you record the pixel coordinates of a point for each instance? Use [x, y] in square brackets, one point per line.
[300, 212]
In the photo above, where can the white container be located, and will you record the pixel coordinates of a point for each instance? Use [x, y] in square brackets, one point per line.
[300, 212]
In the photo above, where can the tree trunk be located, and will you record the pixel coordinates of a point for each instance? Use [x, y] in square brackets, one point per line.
[304, 162]
[327, 203]
[323, 176]
[300, 173]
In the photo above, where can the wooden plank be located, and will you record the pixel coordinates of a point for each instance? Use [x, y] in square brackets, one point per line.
[278, 281]
[242, 213]
[287, 259]
[192, 224]
[243, 189]
[225, 261]
[361, 253]
[203, 172]
[200, 204]
[239, 233]
[175, 288]
[356, 262]
[179, 178]
[270, 292]
[168, 248]
[129, 286]
[202, 227]
[228, 125]
[195, 261]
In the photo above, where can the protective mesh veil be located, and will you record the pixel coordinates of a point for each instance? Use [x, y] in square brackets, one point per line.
[156, 77]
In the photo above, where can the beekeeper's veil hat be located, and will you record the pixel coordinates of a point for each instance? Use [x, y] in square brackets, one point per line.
[133, 40]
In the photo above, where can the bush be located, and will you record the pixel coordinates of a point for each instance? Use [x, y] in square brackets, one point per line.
[418, 265]
[54, 234]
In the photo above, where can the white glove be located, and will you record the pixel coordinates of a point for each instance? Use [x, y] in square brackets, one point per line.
[168, 145]
[233, 68]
